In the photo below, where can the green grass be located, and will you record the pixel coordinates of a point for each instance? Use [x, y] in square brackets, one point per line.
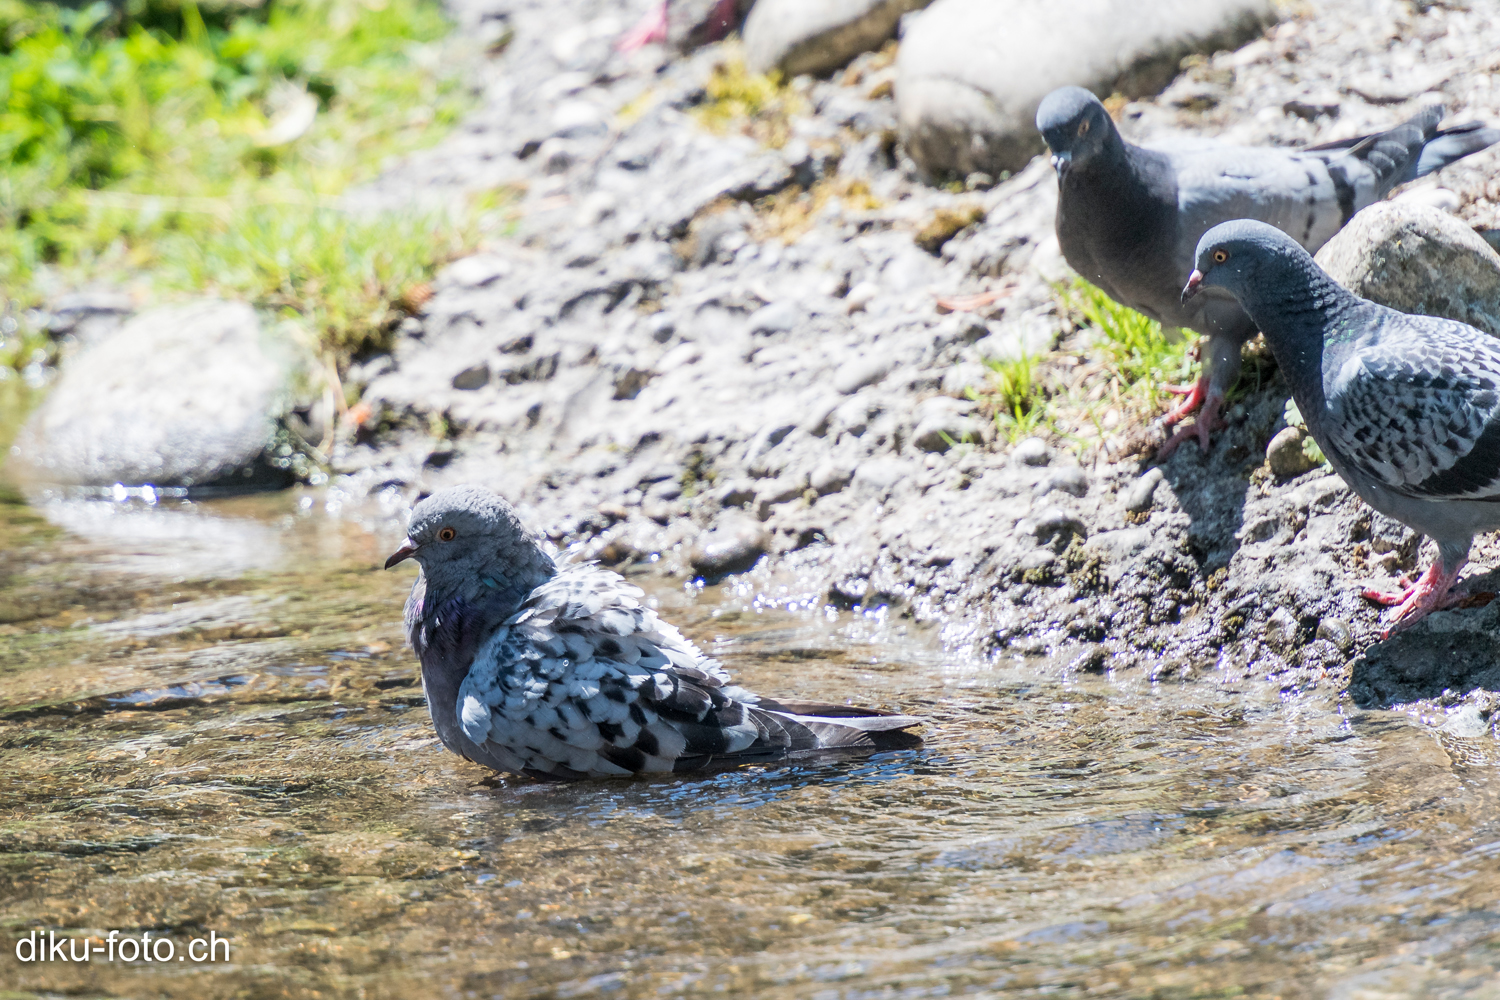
[1293, 416]
[152, 148]
[1125, 363]
[1138, 353]
[1015, 397]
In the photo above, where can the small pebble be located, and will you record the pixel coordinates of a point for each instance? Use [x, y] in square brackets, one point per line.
[732, 547]
[473, 377]
[861, 372]
[830, 477]
[1032, 451]
[1070, 479]
[1282, 631]
[1138, 496]
[1285, 454]
[1336, 631]
[860, 296]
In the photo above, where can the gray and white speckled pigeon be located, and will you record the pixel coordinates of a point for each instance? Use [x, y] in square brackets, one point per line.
[1129, 218]
[1406, 408]
[557, 671]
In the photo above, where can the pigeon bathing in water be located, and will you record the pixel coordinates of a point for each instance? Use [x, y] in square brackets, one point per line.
[557, 671]
[1129, 218]
[1406, 408]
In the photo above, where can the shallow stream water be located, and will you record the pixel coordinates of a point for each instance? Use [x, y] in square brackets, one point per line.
[209, 724]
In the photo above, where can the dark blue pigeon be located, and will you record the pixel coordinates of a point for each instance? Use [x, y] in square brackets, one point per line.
[1406, 408]
[1129, 218]
[557, 671]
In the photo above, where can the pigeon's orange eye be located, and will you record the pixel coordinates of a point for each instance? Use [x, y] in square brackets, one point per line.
[1083, 127]
[446, 535]
[1220, 256]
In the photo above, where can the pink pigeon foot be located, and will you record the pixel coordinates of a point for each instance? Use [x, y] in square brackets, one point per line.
[1208, 421]
[648, 30]
[1195, 393]
[1388, 598]
[1430, 593]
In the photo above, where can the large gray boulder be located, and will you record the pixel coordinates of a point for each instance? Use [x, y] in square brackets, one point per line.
[818, 36]
[971, 73]
[1417, 259]
[182, 396]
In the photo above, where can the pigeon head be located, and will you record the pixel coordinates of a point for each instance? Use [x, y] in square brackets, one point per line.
[1243, 256]
[465, 537]
[1076, 127]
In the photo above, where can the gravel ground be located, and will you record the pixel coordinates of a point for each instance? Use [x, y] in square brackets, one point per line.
[703, 352]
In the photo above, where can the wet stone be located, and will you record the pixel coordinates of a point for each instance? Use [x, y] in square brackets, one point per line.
[1336, 631]
[1467, 722]
[733, 546]
[1283, 631]
[735, 494]
[1090, 661]
[776, 491]
[188, 395]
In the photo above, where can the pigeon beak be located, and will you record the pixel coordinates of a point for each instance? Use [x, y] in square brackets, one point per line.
[1195, 282]
[406, 551]
[1062, 162]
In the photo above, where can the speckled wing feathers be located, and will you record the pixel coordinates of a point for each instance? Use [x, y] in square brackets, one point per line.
[584, 680]
[1419, 409]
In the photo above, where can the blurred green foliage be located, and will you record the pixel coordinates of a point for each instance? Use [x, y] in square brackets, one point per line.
[204, 149]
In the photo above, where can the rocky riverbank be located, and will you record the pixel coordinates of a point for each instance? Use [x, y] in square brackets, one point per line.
[739, 330]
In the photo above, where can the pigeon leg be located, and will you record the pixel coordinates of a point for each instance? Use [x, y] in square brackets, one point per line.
[1432, 592]
[1221, 368]
[1200, 386]
[722, 20]
[649, 29]
[1208, 421]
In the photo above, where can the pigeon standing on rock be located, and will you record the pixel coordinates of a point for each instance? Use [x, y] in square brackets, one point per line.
[1129, 218]
[558, 671]
[1406, 408]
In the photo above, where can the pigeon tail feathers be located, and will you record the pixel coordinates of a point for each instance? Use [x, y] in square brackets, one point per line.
[837, 726]
[1454, 144]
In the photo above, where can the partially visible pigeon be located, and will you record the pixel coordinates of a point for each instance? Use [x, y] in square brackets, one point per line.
[654, 27]
[1406, 408]
[1129, 218]
[559, 672]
